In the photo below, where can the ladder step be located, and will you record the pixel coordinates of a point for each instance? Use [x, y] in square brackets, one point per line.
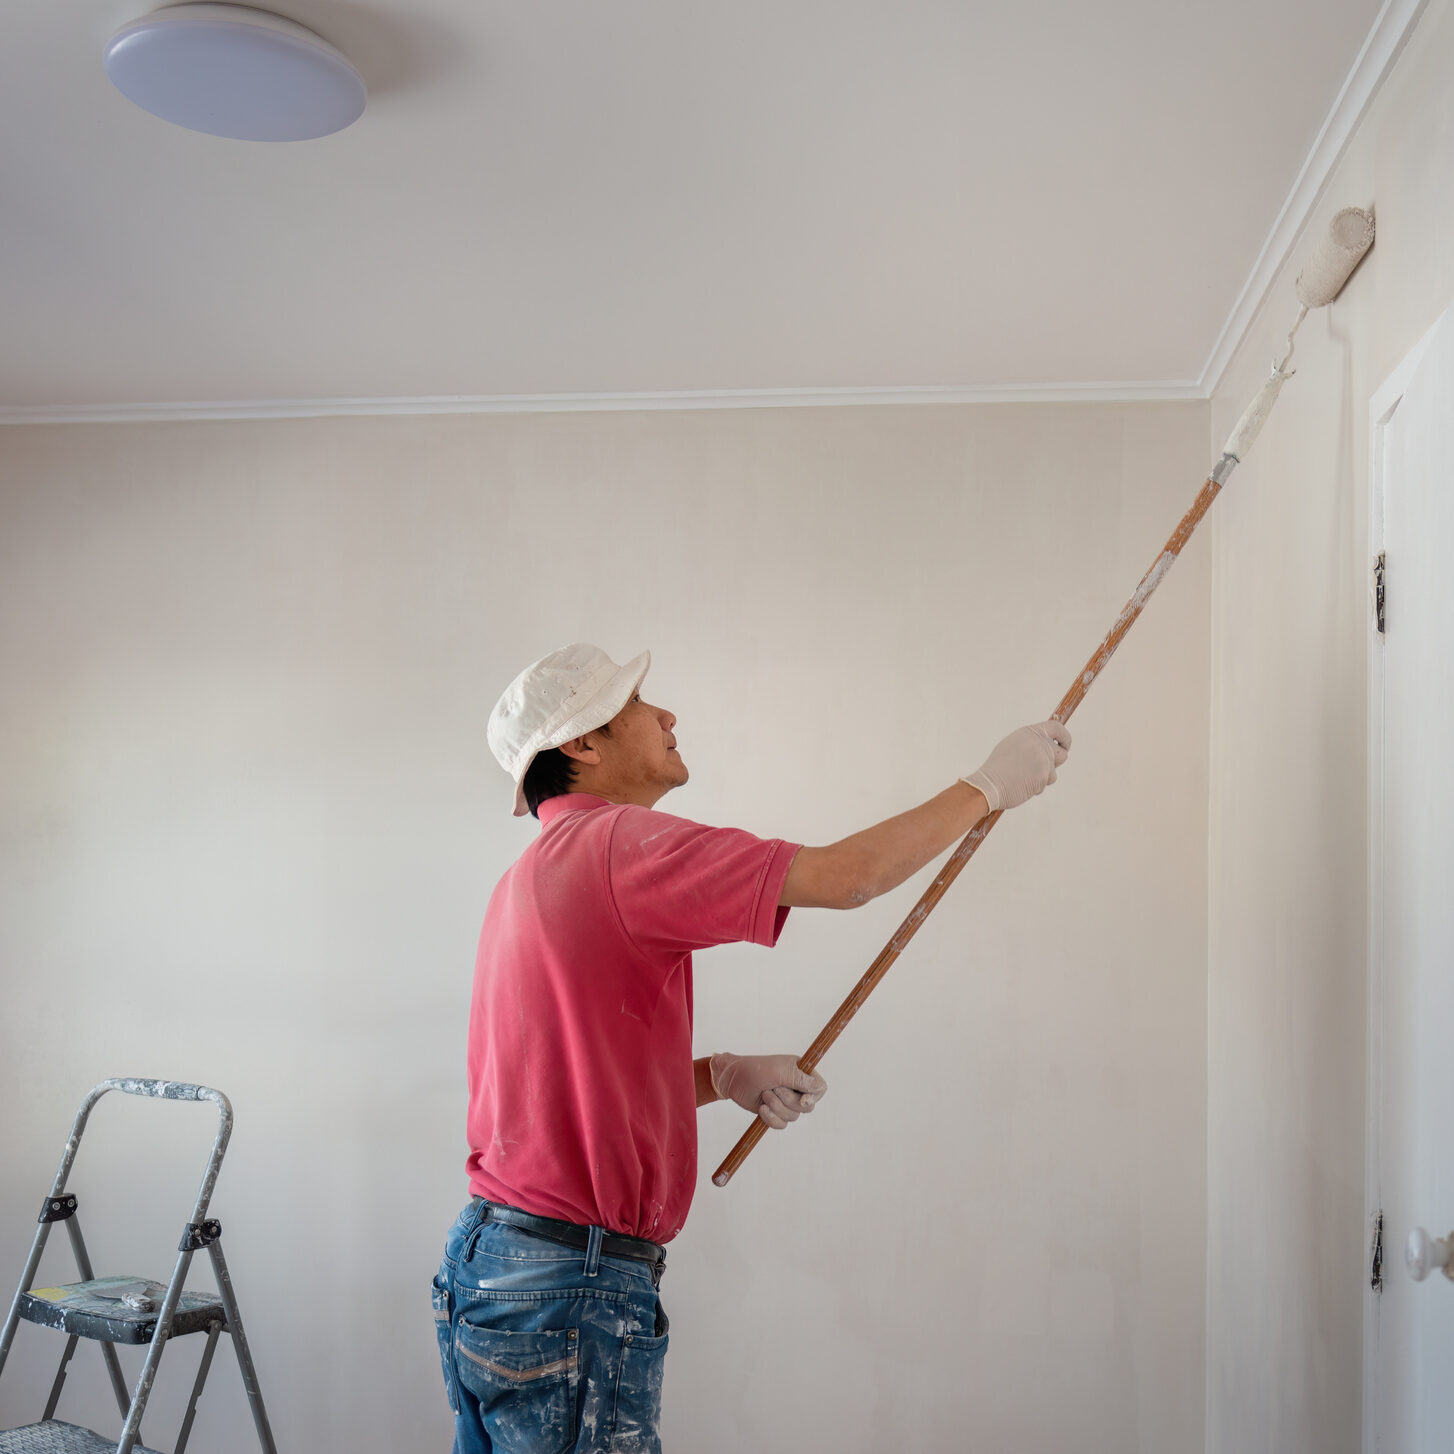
[96, 1309]
[55, 1437]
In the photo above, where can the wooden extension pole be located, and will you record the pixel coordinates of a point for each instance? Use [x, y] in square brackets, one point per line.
[811, 1057]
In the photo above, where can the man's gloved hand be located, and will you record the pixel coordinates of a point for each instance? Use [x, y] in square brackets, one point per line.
[771, 1085]
[1022, 765]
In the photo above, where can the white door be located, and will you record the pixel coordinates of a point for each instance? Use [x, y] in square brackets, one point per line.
[1413, 925]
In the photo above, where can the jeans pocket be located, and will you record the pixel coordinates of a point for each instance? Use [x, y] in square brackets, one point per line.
[439, 1296]
[638, 1392]
[525, 1384]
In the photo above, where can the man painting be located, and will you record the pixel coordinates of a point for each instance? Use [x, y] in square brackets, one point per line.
[583, 1090]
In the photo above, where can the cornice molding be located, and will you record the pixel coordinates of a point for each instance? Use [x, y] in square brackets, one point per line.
[595, 403]
[1386, 38]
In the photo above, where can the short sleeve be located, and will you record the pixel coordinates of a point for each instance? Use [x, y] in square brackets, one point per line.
[679, 886]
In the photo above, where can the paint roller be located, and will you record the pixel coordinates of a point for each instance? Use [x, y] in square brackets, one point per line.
[1349, 237]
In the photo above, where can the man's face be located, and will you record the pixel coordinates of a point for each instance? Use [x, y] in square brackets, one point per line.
[640, 751]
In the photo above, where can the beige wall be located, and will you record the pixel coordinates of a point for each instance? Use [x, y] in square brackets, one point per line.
[1288, 870]
[250, 824]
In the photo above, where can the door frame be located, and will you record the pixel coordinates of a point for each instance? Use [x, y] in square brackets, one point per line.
[1381, 409]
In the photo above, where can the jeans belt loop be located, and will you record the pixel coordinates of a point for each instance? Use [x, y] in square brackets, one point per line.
[593, 1251]
[482, 1215]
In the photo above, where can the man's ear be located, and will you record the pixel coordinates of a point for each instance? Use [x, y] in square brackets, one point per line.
[582, 749]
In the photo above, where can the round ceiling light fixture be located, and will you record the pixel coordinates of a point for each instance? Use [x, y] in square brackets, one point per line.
[231, 70]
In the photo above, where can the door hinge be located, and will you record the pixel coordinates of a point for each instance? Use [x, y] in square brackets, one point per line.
[1378, 575]
[1375, 1279]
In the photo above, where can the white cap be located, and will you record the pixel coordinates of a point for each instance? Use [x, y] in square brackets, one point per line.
[560, 697]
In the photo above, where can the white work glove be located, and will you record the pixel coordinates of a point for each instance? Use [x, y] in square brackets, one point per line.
[774, 1086]
[1022, 765]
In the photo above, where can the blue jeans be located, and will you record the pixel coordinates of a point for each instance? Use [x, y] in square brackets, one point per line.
[546, 1348]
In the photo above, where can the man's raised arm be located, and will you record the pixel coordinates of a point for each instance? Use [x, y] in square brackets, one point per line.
[854, 870]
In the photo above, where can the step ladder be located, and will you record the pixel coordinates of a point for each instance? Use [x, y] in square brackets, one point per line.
[115, 1310]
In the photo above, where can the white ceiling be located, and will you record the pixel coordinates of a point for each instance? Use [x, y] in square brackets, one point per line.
[592, 196]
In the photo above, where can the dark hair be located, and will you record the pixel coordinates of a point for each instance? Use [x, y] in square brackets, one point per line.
[550, 774]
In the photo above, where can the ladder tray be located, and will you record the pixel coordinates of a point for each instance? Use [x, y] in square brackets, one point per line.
[96, 1309]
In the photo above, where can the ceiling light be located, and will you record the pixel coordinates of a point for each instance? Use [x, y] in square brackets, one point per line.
[230, 70]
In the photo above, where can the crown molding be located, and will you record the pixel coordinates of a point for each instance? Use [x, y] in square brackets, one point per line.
[1391, 29]
[595, 403]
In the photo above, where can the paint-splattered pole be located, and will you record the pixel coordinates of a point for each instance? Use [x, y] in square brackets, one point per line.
[1349, 236]
[811, 1057]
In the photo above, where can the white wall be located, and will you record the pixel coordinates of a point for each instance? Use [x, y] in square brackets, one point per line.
[1288, 833]
[248, 824]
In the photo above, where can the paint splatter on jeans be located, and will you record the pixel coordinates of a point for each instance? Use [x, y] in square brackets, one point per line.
[539, 1357]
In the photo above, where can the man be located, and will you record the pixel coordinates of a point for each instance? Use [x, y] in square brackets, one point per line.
[582, 1087]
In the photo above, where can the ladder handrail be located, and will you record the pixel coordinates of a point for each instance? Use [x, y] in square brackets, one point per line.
[168, 1090]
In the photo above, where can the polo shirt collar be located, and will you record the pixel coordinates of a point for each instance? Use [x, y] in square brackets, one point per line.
[552, 808]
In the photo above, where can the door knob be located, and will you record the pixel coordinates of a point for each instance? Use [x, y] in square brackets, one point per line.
[1424, 1253]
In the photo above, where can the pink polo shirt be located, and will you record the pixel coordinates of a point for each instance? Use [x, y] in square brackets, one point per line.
[582, 1103]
